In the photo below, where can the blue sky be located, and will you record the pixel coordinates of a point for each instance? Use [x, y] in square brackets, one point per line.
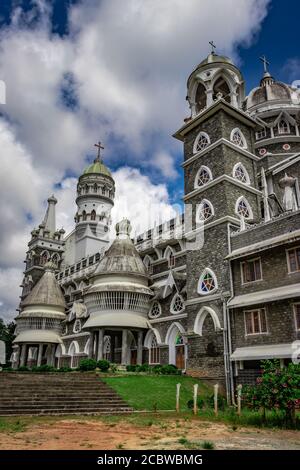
[79, 71]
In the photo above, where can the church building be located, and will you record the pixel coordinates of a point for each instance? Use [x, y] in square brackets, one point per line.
[213, 291]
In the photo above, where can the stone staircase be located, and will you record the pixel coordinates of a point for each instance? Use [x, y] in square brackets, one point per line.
[57, 393]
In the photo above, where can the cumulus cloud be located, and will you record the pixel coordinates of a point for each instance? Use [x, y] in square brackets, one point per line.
[119, 74]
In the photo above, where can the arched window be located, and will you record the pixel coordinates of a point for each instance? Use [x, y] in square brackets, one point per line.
[44, 257]
[243, 208]
[95, 188]
[203, 176]
[177, 304]
[103, 190]
[207, 282]
[201, 98]
[148, 264]
[170, 256]
[77, 326]
[240, 173]
[86, 189]
[155, 310]
[93, 215]
[83, 215]
[205, 211]
[107, 348]
[283, 127]
[55, 258]
[221, 89]
[201, 142]
[238, 138]
[154, 353]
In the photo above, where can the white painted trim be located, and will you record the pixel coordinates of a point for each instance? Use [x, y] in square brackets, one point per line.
[242, 198]
[201, 316]
[237, 129]
[76, 346]
[201, 134]
[239, 164]
[172, 304]
[208, 170]
[209, 271]
[160, 311]
[179, 316]
[149, 335]
[170, 337]
[243, 282]
[295, 316]
[199, 209]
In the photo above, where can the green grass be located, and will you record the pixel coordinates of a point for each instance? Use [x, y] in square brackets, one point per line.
[152, 393]
[196, 444]
[12, 425]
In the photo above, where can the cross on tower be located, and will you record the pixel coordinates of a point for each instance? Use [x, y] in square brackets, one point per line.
[213, 46]
[265, 62]
[100, 147]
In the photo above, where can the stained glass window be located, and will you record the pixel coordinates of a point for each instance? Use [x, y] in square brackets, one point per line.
[179, 340]
[240, 173]
[243, 209]
[205, 210]
[203, 177]
[238, 139]
[201, 142]
[155, 310]
[177, 304]
[208, 282]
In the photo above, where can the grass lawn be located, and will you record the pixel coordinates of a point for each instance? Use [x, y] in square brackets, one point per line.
[148, 392]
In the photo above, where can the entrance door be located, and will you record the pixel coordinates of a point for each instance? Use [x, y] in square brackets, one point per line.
[180, 357]
[133, 357]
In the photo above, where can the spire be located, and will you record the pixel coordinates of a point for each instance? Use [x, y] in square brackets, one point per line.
[267, 78]
[49, 221]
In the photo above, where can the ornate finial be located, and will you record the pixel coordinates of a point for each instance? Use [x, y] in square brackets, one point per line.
[265, 62]
[123, 228]
[213, 47]
[100, 147]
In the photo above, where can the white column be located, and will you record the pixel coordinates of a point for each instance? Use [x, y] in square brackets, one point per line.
[22, 355]
[140, 348]
[124, 347]
[39, 360]
[91, 344]
[100, 345]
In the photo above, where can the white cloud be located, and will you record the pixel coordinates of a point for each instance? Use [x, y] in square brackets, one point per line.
[129, 62]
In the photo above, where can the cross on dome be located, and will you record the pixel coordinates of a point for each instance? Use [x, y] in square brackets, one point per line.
[213, 47]
[265, 62]
[100, 147]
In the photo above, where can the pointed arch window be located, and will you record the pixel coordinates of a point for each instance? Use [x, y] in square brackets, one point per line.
[170, 256]
[205, 211]
[283, 127]
[155, 310]
[240, 173]
[95, 188]
[55, 258]
[238, 138]
[203, 176]
[177, 304]
[202, 141]
[86, 189]
[103, 190]
[44, 257]
[83, 215]
[243, 208]
[93, 215]
[77, 326]
[207, 282]
[221, 89]
[154, 357]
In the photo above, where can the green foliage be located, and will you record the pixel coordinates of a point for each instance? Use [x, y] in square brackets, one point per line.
[208, 445]
[87, 364]
[43, 368]
[23, 369]
[65, 369]
[278, 389]
[221, 402]
[131, 368]
[170, 369]
[113, 367]
[7, 335]
[103, 365]
[143, 368]
[200, 403]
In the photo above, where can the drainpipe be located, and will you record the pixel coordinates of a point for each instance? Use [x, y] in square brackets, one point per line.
[226, 313]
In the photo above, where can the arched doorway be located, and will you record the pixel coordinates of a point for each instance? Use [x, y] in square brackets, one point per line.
[221, 86]
[107, 348]
[177, 345]
[201, 98]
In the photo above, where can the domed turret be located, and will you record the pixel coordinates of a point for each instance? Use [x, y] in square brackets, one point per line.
[215, 77]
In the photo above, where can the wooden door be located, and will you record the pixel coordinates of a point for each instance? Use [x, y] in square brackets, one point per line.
[180, 363]
[133, 357]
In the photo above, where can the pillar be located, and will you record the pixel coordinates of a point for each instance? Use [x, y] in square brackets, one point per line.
[124, 346]
[139, 359]
[22, 355]
[91, 345]
[100, 344]
[39, 360]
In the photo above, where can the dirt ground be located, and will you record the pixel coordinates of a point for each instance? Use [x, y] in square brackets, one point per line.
[171, 433]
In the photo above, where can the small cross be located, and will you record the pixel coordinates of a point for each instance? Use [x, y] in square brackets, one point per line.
[265, 62]
[100, 147]
[213, 46]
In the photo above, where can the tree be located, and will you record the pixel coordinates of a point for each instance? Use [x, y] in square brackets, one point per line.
[7, 335]
[277, 389]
